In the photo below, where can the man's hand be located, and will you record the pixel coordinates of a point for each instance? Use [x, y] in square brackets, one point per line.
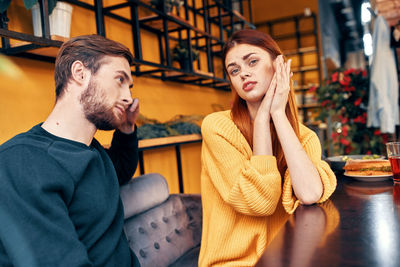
[132, 113]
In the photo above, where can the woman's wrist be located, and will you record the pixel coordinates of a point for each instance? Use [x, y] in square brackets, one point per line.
[278, 114]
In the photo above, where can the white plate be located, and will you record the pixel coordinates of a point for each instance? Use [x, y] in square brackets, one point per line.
[370, 178]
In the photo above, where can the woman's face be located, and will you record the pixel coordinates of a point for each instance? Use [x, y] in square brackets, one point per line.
[250, 70]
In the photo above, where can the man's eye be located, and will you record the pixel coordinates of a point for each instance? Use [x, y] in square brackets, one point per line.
[121, 79]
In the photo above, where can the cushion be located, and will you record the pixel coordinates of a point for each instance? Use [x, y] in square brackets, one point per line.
[161, 235]
[143, 193]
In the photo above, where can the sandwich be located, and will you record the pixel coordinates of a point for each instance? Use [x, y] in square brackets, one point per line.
[372, 167]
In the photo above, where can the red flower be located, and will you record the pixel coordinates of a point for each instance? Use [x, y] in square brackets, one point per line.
[312, 89]
[357, 102]
[349, 88]
[364, 73]
[369, 152]
[325, 103]
[334, 136]
[343, 120]
[349, 71]
[360, 119]
[345, 81]
[348, 149]
[345, 141]
[377, 132]
[344, 131]
[334, 77]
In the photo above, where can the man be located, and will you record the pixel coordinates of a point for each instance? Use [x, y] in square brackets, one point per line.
[59, 191]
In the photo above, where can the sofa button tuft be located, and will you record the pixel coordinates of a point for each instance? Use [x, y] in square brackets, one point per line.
[168, 239]
[177, 231]
[156, 245]
[165, 219]
[141, 230]
[153, 224]
[142, 253]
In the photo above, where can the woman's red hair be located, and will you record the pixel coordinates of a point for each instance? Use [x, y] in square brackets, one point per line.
[240, 114]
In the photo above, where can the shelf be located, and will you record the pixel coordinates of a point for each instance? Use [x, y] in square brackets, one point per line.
[168, 28]
[146, 144]
[303, 87]
[309, 106]
[306, 68]
[304, 50]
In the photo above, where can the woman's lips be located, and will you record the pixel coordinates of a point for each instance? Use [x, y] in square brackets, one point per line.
[247, 86]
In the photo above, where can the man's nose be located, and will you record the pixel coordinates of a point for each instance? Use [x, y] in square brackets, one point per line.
[127, 96]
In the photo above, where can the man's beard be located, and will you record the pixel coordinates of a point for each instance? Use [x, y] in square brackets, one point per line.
[94, 109]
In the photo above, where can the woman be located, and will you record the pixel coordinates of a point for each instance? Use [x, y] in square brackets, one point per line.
[257, 159]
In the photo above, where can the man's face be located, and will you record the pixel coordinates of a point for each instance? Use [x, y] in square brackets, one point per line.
[108, 96]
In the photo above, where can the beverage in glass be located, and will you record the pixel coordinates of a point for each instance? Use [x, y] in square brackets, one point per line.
[393, 152]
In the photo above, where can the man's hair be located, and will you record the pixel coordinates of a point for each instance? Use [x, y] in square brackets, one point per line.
[89, 49]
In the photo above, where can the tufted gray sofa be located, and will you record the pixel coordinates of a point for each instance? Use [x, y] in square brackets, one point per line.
[162, 229]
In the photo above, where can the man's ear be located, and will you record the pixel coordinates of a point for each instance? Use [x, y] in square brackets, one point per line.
[79, 73]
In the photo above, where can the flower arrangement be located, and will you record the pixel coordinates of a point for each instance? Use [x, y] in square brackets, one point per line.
[344, 98]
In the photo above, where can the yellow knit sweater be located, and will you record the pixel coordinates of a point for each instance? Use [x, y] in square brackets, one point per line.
[243, 198]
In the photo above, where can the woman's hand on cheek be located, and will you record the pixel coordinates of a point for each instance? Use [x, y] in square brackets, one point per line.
[264, 111]
[283, 74]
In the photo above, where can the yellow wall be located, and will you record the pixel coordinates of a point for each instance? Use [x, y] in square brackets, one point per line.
[268, 10]
[27, 97]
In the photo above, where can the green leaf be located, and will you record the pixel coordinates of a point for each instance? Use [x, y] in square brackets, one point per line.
[52, 5]
[29, 3]
[4, 4]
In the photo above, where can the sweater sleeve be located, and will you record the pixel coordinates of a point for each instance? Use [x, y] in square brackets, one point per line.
[249, 184]
[124, 155]
[35, 228]
[312, 146]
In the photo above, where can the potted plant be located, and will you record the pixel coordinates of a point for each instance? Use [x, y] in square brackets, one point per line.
[180, 53]
[169, 4]
[59, 19]
[344, 99]
[59, 16]
[4, 4]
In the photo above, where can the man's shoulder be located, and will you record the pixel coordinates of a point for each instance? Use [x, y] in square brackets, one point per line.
[25, 140]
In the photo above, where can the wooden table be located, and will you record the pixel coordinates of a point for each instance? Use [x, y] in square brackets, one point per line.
[359, 226]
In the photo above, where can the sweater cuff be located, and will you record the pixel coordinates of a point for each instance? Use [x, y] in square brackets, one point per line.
[122, 139]
[264, 163]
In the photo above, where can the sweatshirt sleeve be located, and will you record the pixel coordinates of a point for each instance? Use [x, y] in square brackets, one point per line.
[124, 155]
[312, 146]
[249, 184]
[35, 228]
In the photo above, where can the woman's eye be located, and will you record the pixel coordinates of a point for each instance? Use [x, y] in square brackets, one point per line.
[234, 71]
[253, 62]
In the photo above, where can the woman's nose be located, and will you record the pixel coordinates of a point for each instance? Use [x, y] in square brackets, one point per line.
[245, 74]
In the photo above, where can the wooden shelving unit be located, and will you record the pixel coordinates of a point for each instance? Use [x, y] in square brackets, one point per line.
[168, 27]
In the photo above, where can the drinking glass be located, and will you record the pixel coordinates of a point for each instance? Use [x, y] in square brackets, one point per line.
[393, 152]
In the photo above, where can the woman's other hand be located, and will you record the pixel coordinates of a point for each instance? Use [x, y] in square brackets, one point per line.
[283, 75]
